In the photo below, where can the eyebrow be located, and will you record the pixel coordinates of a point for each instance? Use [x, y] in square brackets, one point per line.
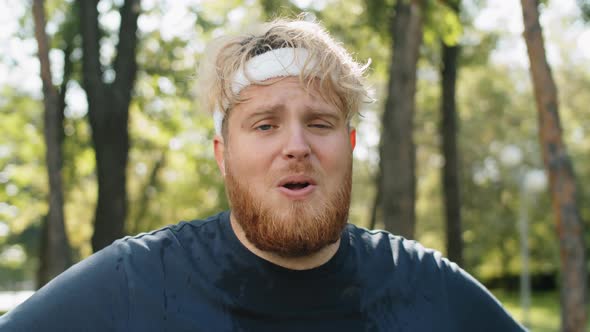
[322, 111]
[273, 110]
[266, 110]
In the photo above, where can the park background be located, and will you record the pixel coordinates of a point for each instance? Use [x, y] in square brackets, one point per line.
[134, 100]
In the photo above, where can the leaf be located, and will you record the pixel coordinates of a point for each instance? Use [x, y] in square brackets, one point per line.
[442, 21]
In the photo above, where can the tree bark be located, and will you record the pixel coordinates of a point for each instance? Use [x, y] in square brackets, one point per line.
[55, 251]
[396, 148]
[450, 171]
[561, 176]
[108, 111]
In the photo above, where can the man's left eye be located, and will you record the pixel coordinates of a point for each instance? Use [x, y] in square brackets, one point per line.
[264, 127]
[320, 125]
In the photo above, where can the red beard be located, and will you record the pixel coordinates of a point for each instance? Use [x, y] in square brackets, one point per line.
[303, 228]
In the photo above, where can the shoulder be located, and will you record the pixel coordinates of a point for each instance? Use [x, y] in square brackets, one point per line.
[180, 235]
[408, 258]
[153, 258]
[399, 249]
[89, 296]
[96, 294]
[409, 270]
[409, 263]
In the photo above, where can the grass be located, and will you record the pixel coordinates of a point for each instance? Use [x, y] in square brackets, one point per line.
[544, 314]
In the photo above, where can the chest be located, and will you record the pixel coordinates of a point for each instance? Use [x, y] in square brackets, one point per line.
[248, 305]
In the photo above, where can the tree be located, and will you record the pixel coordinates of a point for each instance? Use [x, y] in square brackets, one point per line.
[54, 250]
[448, 131]
[397, 183]
[108, 111]
[585, 8]
[275, 8]
[562, 181]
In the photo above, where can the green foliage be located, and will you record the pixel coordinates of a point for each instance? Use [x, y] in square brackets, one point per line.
[476, 47]
[490, 189]
[172, 172]
[379, 14]
[279, 8]
[442, 22]
[358, 38]
[544, 313]
[23, 182]
[585, 9]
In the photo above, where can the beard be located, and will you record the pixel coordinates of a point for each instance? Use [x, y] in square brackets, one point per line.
[300, 229]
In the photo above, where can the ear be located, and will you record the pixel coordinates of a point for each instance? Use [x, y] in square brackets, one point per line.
[352, 138]
[219, 148]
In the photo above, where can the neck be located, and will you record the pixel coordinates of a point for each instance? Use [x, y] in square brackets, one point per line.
[293, 263]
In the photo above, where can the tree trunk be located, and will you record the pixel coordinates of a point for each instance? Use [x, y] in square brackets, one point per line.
[55, 251]
[396, 148]
[450, 171]
[108, 111]
[561, 177]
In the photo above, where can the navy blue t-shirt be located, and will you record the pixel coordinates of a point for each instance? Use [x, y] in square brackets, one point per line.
[197, 276]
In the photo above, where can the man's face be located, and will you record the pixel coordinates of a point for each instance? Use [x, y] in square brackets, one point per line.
[287, 161]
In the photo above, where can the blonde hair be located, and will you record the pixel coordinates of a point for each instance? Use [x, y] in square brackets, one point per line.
[341, 78]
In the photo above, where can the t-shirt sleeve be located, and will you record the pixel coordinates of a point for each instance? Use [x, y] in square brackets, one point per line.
[89, 296]
[472, 306]
[467, 303]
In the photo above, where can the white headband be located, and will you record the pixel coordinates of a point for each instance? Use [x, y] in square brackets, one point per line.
[279, 62]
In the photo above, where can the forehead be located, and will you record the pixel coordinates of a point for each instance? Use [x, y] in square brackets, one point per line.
[286, 91]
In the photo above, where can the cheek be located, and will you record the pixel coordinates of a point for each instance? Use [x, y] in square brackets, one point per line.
[334, 153]
[249, 162]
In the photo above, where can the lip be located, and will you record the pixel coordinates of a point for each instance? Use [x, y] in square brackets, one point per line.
[298, 194]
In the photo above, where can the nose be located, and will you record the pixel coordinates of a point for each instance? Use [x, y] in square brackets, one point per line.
[296, 145]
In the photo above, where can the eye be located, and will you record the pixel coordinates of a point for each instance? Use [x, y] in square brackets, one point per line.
[320, 125]
[264, 127]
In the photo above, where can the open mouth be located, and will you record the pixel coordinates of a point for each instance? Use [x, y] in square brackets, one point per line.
[296, 185]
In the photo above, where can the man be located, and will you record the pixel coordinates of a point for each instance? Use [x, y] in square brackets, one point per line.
[284, 258]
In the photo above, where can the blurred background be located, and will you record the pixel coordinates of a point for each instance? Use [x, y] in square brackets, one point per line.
[101, 132]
